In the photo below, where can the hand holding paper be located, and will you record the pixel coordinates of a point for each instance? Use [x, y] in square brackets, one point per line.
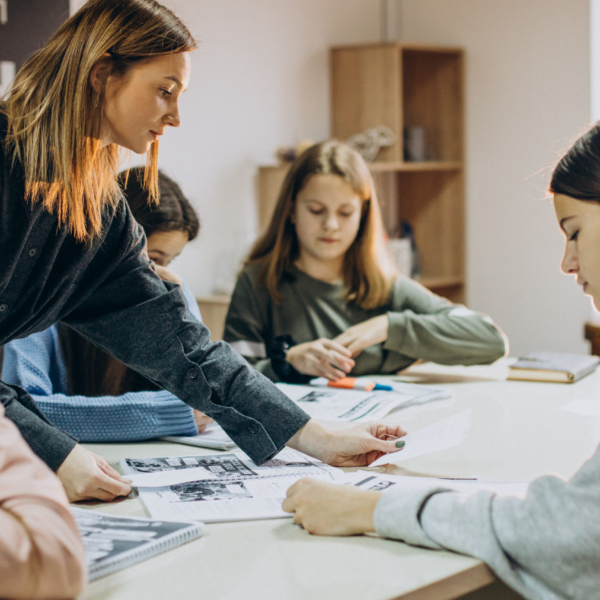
[442, 435]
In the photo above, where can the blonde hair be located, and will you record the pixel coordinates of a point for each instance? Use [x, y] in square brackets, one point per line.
[367, 272]
[54, 113]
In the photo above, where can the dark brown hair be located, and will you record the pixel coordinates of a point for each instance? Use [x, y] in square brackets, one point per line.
[174, 211]
[368, 273]
[577, 173]
[90, 370]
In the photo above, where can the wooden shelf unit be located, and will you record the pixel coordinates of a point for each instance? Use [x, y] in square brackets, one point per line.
[408, 85]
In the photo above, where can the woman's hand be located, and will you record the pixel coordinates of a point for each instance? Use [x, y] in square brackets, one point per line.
[202, 420]
[167, 275]
[365, 334]
[87, 476]
[321, 358]
[355, 447]
[327, 509]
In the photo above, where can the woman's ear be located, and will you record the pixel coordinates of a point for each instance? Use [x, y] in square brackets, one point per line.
[99, 72]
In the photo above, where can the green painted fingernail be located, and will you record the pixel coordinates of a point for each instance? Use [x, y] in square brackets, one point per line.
[400, 444]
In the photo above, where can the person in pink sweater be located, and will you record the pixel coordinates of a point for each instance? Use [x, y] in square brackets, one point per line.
[41, 553]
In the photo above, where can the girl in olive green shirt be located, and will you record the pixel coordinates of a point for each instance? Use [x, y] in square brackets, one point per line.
[318, 297]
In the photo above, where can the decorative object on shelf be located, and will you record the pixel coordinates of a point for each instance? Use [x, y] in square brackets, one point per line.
[371, 141]
[400, 250]
[288, 154]
[415, 144]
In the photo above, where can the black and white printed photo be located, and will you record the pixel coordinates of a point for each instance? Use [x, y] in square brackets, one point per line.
[227, 466]
[202, 491]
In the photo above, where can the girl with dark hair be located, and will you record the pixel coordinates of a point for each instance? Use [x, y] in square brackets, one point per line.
[111, 78]
[545, 546]
[87, 392]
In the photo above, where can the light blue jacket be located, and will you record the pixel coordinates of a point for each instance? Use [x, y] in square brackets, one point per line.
[36, 363]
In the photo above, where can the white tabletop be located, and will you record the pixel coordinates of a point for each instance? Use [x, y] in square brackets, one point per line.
[519, 430]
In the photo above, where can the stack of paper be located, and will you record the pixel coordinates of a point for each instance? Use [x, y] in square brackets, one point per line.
[221, 487]
[331, 404]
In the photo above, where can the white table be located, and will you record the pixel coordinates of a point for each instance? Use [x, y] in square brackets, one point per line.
[519, 430]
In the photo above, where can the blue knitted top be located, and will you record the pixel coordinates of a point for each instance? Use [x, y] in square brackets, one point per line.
[37, 364]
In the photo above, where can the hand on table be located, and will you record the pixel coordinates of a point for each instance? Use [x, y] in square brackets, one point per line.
[202, 420]
[368, 333]
[355, 447]
[327, 509]
[87, 476]
[321, 358]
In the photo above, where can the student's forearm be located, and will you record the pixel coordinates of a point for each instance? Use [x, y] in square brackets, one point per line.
[444, 339]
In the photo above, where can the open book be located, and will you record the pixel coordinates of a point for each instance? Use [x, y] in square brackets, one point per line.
[113, 543]
[221, 487]
[553, 367]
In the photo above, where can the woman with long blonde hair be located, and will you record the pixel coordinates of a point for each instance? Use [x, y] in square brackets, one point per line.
[110, 78]
[319, 298]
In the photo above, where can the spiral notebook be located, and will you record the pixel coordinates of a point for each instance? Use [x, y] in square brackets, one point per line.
[114, 543]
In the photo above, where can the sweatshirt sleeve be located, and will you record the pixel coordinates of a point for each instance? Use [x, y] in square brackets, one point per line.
[425, 326]
[41, 553]
[246, 328]
[36, 364]
[544, 546]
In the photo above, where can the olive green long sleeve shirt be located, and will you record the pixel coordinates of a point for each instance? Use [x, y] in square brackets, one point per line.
[421, 324]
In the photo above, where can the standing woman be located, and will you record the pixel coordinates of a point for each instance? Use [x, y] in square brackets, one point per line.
[71, 251]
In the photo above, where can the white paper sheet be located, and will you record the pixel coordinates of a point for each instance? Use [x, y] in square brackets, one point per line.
[367, 480]
[442, 435]
[214, 501]
[242, 490]
[173, 470]
[332, 404]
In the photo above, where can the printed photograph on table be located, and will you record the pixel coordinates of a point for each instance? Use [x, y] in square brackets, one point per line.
[222, 465]
[201, 491]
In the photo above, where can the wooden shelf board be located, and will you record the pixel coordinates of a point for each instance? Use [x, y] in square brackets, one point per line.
[409, 47]
[441, 282]
[441, 165]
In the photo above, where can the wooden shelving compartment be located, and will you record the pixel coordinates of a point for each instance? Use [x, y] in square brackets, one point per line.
[402, 86]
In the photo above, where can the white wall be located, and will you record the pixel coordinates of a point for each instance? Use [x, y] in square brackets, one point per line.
[528, 97]
[259, 80]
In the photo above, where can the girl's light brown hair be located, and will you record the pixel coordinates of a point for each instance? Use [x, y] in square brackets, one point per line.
[54, 113]
[367, 271]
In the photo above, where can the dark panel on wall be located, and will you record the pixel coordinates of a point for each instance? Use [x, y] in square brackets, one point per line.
[30, 25]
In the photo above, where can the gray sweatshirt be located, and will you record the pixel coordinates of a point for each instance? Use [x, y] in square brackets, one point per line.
[546, 546]
[421, 324]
